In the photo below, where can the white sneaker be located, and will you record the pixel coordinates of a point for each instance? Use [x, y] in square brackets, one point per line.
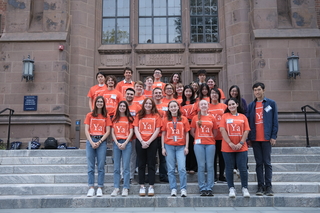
[150, 191]
[142, 191]
[183, 193]
[173, 192]
[125, 192]
[99, 192]
[90, 192]
[115, 192]
[245, 192]
[232, 192]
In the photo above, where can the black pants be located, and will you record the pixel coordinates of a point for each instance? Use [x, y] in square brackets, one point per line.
[191, 161]
[221, 161]
[146, 156]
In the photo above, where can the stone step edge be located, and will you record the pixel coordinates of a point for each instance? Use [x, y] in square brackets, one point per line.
[193, 200]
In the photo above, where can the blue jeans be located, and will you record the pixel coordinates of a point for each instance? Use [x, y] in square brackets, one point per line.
[240, 158]
[262, 155]
[93, 154]
[125, 154]
[176, 153]
[205, 158]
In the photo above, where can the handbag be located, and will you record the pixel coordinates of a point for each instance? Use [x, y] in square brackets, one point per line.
[62, 146]
[50, 143]
[15, 145]
[35, 144]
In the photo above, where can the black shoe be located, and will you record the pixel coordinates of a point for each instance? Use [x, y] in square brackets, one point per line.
[203, 193]
[260, 191]
[269, 191]
[222, 179]
[209, 193]
[164, 179]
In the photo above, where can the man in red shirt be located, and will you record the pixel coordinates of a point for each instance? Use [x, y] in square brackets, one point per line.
[127, 82]
[157, 74]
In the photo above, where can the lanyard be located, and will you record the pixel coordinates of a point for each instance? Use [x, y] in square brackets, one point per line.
[174, 124]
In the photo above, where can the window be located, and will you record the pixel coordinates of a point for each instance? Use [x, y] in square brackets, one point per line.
[116, 21]
[204, 21]
[160, 21]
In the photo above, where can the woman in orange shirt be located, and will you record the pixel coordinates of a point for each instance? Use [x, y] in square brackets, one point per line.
[217, 109]
[122, 132]
[187, 110]
[174, 140]
[97, 129]
[234, 128]
[204, 130]
[147, 124]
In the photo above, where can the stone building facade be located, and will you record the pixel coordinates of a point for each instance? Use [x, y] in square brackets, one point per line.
[250, 42]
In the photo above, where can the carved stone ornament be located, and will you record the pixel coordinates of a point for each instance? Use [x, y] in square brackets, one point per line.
[160, 59]
[205, 58]
[115, 60]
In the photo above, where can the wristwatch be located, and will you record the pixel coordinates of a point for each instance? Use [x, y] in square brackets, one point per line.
[241, 143]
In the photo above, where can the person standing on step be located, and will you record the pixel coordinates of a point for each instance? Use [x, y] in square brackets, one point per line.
[147, 125]
[97, 90]
[111, 95]
[175, 141]
[204, 130]
[122, 132]
[262, 114]
[127, 82]
[157, 74]
[234, 128]
[97, 129]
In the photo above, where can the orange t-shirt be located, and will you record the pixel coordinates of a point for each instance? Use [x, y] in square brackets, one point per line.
[188, 110]
[222, 96]
[112, 99]
[166, 101]
[204, 134]
[235, 127]
[162, 108]
[196, 104]
[147, 93]
[138, 99]
[147, 125]
[159, 84]
[175, 131]
[97, 125]
[96, 91]
[259, 122]
[134, 109]
[217, 111]
[179, 99]
[122, 86]
[122, 128]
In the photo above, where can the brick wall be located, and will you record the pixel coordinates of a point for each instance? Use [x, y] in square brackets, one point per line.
[317, 3]
[3, 5]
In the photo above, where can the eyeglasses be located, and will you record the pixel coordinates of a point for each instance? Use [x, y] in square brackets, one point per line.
[157, 73]
[169, 88]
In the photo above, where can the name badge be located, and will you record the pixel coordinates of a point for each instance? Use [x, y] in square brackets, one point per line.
[159, 85]
[140, 102]
[164, 108]
[198, 141]
[268, 108]
[114, 96]
[175, 138]
[133, 113]
[229, 121]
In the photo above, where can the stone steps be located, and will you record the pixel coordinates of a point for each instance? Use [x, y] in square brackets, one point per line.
[193, 200]
[160, 188]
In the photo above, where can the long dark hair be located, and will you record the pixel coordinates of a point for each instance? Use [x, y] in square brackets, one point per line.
[184, 98]
[104, 111]
[238, 96]
[142, 112]
[200, 90]
[239, 108]
[217, 91]
[171, 78]
[169, 115]
[127, 113]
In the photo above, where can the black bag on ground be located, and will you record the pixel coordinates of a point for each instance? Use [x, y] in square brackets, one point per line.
[50, 143]
[35, 144]
[62, 146]
[15, 145]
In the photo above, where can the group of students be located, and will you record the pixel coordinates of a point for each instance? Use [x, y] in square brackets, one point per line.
[192, 126]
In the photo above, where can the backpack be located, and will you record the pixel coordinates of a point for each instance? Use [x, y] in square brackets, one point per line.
[50, 143]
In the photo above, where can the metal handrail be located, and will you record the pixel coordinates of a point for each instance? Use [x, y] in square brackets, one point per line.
[304, 110]
[10, 114]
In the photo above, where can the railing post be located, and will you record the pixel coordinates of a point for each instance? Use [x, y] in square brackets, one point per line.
[306, 124]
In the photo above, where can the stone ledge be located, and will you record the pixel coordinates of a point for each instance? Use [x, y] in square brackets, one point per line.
[286, 33]
[50, 36]
[159, 48]
[36, 119]
[205, 48]
[115, 49]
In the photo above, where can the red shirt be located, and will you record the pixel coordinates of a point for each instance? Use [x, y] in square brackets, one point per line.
[162, 108]
[122, 86]
[122, 128]
[97, 125]
[112, 99]
[188, 110]
[235, 127]
[147, 93]
[259, 122]
[217, 111]
[96, 91]
[138, 99]
[175, 136]
[147, 125]
[204, 134]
